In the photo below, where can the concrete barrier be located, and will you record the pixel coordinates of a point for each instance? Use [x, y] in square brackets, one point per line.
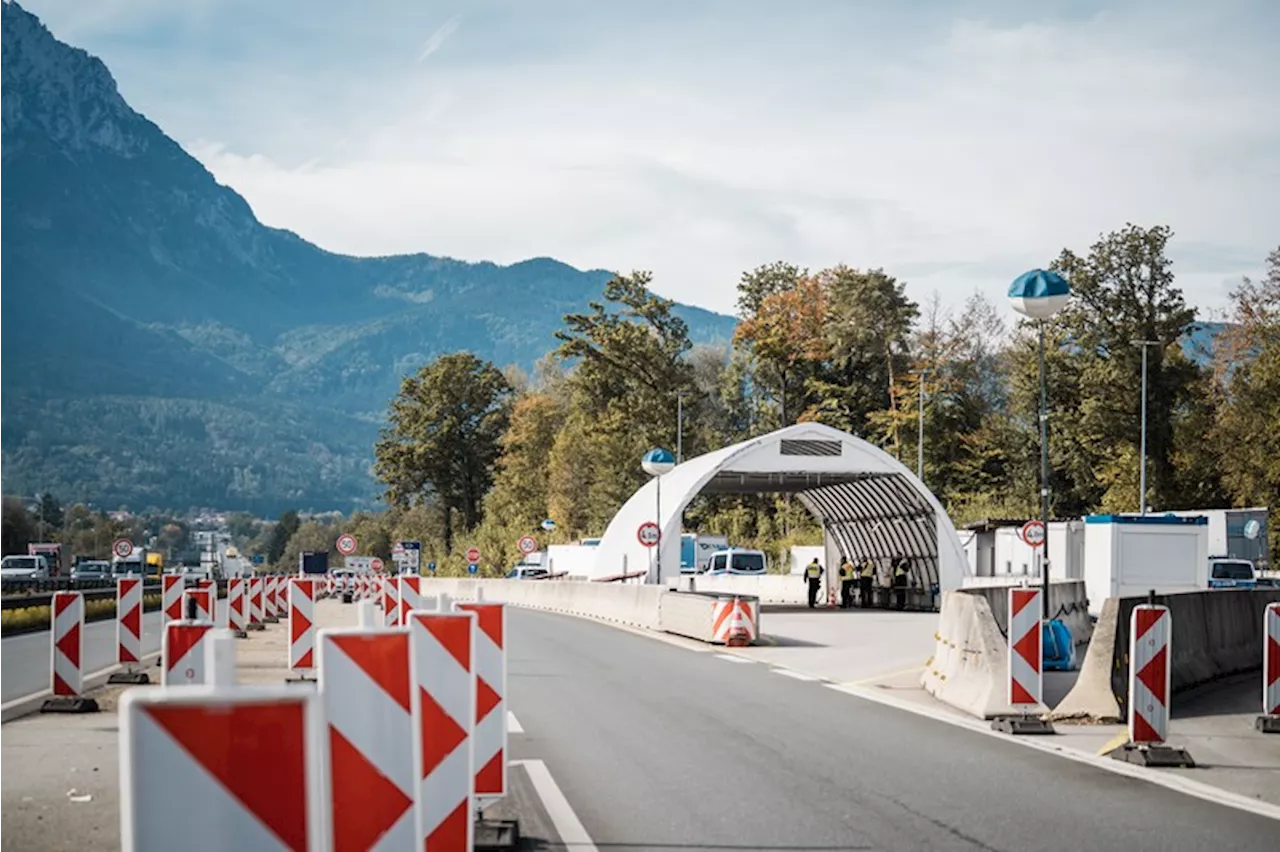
[1067, 601]
[969, 667]
[1215, 634]
[768, 588]
[694, 614]
[621, 603]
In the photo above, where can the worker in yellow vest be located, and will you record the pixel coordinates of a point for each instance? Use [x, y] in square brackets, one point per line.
[848, 577]
[813, 575]
[866, 575]
[901, 573]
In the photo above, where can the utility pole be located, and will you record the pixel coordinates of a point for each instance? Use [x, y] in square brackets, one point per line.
[920, 426]
[680, 395]
[1142, 471]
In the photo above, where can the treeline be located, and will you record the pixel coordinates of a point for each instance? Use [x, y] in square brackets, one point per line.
[473, 455]
[89, 532]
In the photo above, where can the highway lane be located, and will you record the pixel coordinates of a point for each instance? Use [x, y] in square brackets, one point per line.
[658, 747]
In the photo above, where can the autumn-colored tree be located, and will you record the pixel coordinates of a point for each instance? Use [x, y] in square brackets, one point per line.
[785, 337]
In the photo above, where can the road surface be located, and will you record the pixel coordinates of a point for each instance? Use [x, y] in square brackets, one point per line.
[658, 747]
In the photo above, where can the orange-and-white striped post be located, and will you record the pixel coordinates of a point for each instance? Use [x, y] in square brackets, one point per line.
[491, 700]
[1026, 675]
[171, 588]
[182, 652]
[237, 616]
[441, 657]
[1150, 636]
[365, 689]
[129, 621]
[302, 628]
[734, 623]
[249, 762]
[390, 602]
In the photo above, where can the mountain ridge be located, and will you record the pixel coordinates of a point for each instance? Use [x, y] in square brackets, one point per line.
[132, 274]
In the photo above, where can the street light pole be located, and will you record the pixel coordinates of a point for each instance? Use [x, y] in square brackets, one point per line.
[1142, 470]
[680, 395]
[1044, 476]
[920, 426]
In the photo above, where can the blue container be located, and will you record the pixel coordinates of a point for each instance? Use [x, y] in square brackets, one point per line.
[1059, 649]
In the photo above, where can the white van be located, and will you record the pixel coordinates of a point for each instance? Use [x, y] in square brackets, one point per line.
[737, 561]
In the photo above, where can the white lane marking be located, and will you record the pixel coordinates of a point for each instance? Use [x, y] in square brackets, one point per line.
[1177, 783]
[796, 675]
[513, 724]
[733, 658]
[563, 819]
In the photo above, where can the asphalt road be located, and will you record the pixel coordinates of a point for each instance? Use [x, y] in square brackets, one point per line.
[26, 659]
[659, 747]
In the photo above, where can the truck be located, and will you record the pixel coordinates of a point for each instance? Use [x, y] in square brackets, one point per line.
[1126, 556]
[696, 550]
[54, 556]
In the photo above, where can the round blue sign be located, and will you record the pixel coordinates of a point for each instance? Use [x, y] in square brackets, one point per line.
[473, 568]
[431, 566]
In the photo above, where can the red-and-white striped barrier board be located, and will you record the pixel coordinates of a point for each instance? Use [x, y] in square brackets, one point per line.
[410, 597]
[1150, 635]
[1271, 660]
[270, 601]
[1026, 659]
[390, 602]
[221, 768]
[171, 588]
[302, 628]
[237, 617]
[255, 600]
[182, 652]
[68, 643]
[204, 603]
[366, 693]
[129, 620]
[490, 735]
[441, 660]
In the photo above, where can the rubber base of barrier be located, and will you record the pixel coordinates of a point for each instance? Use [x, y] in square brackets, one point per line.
[1268, 724]
[240, 634]
[1023, 726]
[496, 835]
[272, 619]
[1163, 757]
[131, 678]
[303, 681]
[69, 704]
[257, 626]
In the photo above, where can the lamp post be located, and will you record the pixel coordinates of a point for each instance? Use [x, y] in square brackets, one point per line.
[920, 426]
[655, 463]
[1039, 295]
[1142, 470]
[680, 395]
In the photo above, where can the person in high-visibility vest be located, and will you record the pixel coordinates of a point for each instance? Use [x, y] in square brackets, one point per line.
[848, 577]
[866, 574]
[901, 571]
[813, 575]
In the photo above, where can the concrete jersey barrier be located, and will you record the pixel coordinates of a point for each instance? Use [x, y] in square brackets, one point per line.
[694, 614]
[969, 667]
[621, 603]
[1215, 634]
[1067, 601]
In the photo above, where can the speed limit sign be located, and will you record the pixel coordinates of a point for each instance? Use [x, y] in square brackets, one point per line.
[527, 545]
[122, 548]
[346, 544]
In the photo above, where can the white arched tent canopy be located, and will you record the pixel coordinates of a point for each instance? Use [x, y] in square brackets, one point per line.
[868, 503]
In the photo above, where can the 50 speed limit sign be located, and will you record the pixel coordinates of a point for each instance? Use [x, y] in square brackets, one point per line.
[527, 545]
[346, 544]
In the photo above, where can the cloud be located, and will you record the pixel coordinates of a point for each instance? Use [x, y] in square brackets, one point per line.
[954, 151]
[439, 37]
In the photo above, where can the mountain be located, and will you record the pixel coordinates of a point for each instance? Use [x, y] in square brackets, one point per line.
[161, 346]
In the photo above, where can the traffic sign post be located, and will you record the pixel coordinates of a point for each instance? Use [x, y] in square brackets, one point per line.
[473, 555]
[346, 544]
[527, 545]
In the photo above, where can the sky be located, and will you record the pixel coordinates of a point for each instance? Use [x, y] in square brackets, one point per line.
[954, 143]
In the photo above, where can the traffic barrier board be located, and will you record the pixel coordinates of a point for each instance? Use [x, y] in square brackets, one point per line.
[1026, 675]
[129, 621]
[171, 589]
[270, 608]
[222, 768]
[734, 622]
[410, 597]
[442, 650]
[302, 628]
[255, 600]
[490, 735]
[1271, 661]
[68, 644]
[237, 618]
[203, 599]
[182, 652]
[1150, 633]
[366, 692]
[390, 602]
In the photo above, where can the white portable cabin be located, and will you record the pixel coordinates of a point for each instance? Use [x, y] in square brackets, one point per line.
[1129, 555]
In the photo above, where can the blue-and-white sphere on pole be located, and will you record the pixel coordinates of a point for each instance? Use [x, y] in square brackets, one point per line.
[658, 461]
[548, 524]
[1039, 294]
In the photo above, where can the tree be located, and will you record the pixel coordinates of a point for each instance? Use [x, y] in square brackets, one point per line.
[442, 437]
[280, 534]
[765, 281]
[520, 487]
[785, 337]
[19, 528]
[48, 517]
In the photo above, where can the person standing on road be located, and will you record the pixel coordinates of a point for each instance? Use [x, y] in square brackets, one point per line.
[848, 576]
[813, 574]
[866, 574]
[901, 571]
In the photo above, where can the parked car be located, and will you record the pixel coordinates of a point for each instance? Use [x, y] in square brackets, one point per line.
[526, 572]
[91, 570]
[1228, 573]
[737, 561]
[24, 568]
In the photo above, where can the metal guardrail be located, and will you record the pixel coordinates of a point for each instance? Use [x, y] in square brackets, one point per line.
[101, 592]
[53, 584]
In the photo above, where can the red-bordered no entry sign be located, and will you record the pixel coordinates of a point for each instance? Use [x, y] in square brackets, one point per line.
[473, 555]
